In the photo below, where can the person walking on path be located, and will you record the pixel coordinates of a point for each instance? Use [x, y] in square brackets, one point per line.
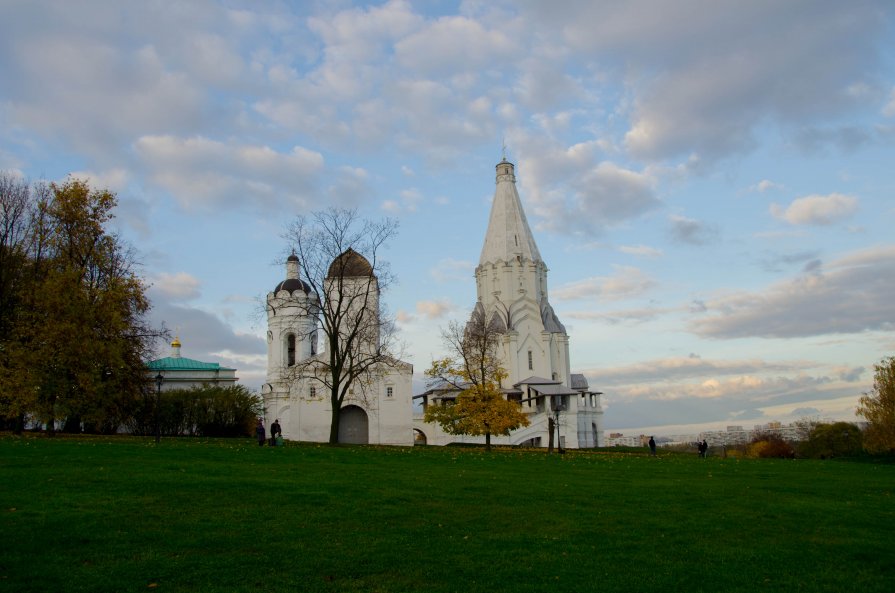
[652, 446]
[259, 432]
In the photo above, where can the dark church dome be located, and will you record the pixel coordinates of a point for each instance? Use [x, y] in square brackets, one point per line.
[292, 284]
[350, 264]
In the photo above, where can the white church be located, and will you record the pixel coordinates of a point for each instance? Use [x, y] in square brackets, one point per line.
[511, 286]
[377, 410]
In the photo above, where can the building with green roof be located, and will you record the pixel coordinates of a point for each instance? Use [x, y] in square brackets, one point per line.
[183, 373]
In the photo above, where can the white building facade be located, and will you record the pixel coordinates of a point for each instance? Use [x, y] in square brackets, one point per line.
[512, 290]
[378, 408]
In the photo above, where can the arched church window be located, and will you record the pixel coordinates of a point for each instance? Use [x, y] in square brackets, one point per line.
[313, 344]
[290, 350]
[531, 364]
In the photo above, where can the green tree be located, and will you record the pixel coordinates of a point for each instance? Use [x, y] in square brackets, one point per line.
[839, 439]
[878, 408]
[472, 370]
[78, 335]
[207, 411]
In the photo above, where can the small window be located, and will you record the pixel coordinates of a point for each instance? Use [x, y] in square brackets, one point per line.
[313, 391]
[313, 344]
[531, 364]
[290, 350]
[389, 391]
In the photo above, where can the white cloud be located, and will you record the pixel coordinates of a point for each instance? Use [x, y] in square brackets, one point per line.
[453, 270]
[640, 250]
[403, 317]
[627, 282]
[202, 173]
[691, 231]
[434, 309]
[765, 185]
[816, 209]
[114, 180]
[177, 287]
[889, 109]
[848, 295]
[603, 194]
[409, 202]
[453, 44]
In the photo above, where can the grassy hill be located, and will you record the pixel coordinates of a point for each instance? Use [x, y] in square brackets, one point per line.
[120, 514]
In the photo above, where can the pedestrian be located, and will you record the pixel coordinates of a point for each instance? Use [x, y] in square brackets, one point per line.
[259, 432]
[703, 448]
[275, 432]
[652, 446]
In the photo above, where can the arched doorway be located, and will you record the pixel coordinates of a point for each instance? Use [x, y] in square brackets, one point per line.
[353, 426]
[419, 437]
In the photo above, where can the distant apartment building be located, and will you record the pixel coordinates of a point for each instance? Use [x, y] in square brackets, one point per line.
[732, 435]
[617, 439]
[738, 435]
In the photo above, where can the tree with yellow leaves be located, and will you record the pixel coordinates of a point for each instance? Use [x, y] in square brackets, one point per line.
[878, 408]
[473, 372]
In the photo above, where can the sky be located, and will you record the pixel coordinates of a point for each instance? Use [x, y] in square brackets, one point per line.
[709, 182]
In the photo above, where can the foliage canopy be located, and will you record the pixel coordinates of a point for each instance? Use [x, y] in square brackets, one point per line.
[473, 371]
[878, 408]
[75, 334]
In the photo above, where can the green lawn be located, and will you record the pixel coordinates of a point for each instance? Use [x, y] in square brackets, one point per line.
[120, 514]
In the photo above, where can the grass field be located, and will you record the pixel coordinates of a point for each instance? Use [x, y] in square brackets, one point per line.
[120, 514]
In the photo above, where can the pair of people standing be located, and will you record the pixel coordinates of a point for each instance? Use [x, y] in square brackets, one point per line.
[275, 432]
[703, 448]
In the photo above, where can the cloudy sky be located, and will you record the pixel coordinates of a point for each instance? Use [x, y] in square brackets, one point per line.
[709, 182]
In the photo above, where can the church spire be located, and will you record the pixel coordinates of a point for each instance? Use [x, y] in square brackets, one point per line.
[508, 236]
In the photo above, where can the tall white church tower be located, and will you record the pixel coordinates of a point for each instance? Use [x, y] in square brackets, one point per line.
[511, 283]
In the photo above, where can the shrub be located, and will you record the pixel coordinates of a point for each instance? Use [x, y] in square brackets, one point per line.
[770, 446]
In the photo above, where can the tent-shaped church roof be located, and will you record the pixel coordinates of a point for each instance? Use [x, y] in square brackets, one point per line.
[508, 236]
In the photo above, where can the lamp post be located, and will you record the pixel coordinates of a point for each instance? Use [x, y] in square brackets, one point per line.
[159, 379]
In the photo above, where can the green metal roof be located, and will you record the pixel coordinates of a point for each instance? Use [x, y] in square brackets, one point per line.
[169, 363]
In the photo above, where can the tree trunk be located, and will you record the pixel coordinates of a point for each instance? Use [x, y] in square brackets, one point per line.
[550, 425]
[487, 441]
[334, 421]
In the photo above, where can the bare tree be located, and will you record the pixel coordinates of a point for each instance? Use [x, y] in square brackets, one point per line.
[339, 261]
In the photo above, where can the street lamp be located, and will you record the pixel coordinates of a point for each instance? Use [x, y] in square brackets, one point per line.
[159, 379]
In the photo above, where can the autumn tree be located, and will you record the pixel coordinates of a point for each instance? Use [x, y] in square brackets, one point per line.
[473, 371]
[77, 334]
[878, 408]
[339, 260]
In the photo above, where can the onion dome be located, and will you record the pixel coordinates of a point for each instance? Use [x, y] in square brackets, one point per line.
[350, 264]
[291, 285]
[292, 282]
